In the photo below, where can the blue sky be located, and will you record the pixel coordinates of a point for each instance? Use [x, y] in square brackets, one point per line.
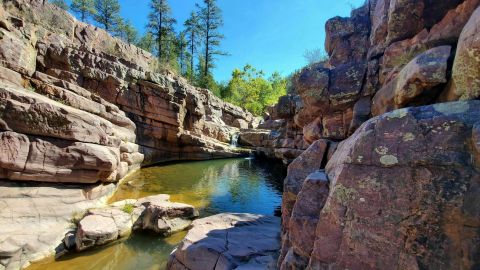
[271, 35]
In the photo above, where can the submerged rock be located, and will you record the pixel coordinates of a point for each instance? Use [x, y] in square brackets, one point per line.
[229, 241]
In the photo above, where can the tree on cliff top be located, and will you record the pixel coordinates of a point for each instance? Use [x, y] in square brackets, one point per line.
[60, 3]
[160, 25]
[147, 42]
[108, 14]
[126, 31]
[193, 35]
[210, 16]
[84, 8]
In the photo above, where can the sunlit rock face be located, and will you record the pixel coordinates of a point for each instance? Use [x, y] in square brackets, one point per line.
[229, 241]
[399, 184]
[78, 106]
[71, 83]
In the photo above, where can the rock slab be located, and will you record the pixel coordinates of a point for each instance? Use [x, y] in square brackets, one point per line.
[229, 241]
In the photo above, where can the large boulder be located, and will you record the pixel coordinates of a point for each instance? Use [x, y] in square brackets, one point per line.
[466, 67]
[415, 84]
[229, 241]
[164, 217]
[156, 213]
[404, 193]
[347, 39]
[400, 26]
[302, 224]
[95, 230]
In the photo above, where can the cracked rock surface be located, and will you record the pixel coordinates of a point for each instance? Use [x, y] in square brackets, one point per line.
[229, 241]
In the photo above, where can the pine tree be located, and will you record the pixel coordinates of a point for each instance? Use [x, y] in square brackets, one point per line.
[126, 31]
[193, 35]
[146, 42]
[60, 3]
[84, 8]
[182, 52]
[210, 21]
[107, 14]
[161, 26]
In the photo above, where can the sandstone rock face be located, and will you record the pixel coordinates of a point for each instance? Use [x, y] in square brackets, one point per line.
[423, 73]
[466, 68]
[35, 217]
[79, 106]
[394, 196]
[408, 61]
[387, 55]
[229, 241]
[79, 96]
[278, 137]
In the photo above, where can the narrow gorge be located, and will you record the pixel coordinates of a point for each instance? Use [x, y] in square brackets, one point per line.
[100, 150]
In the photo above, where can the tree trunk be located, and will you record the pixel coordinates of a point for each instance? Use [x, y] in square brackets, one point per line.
[192, 49]
[207, 41]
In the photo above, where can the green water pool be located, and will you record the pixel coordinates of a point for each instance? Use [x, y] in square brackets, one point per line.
[229, 185]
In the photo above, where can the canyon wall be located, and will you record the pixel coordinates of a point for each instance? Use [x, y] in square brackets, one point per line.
[390, 178]
[89, 107]
[78, 106]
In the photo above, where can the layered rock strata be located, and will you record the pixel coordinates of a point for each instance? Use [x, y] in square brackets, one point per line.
[78, 106]
[394, 191]
[68, 87]
[277, 136]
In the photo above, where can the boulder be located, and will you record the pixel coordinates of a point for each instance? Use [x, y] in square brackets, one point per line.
[156, 213]
[164, 217]
[308, 162]
[229, 241]
[347, 39]
[415, 84]
[400, 26]
[305, 216]
[399, 198]
[466, 67]
[95, 230]
[240, 123]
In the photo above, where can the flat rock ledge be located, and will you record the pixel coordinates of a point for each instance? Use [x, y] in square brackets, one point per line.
[229, 241]
[105, 225]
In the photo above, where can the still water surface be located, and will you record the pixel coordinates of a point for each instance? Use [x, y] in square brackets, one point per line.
[230, 185]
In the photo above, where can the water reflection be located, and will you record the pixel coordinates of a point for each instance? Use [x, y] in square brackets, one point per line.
[233, 185]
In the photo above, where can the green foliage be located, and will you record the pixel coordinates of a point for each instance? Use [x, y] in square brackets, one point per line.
[107, 14]
[210, 21]
[126, 32]
[60, 3]
[315, 56]
[84, 8]
[160, 25]
[147, 42]
[128, 208]
[182, 53]
[193, 33]
[249, 89]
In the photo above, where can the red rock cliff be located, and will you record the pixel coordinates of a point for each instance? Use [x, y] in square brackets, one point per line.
[390, 178]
